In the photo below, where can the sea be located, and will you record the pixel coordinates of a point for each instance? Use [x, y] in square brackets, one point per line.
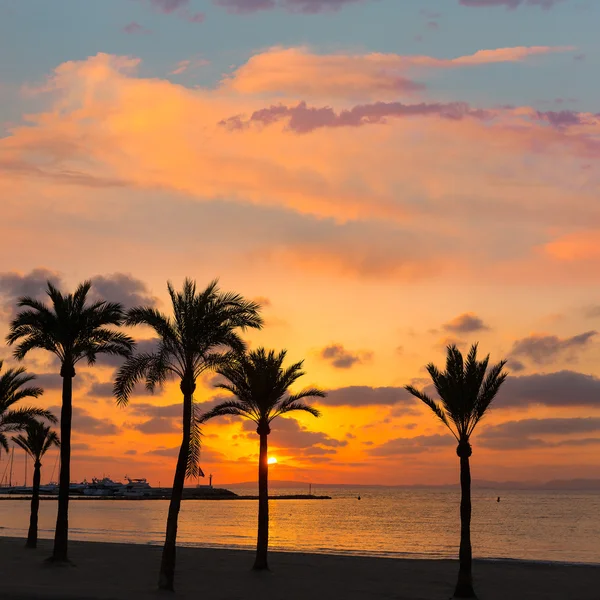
[546, 526]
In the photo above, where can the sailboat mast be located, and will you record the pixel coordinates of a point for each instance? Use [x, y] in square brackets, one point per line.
[25, 484]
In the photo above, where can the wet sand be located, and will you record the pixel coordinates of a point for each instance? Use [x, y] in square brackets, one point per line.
[129, 571]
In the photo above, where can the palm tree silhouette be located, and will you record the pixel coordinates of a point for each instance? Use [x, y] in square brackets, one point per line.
[200, 336]
[466, 390]
[260, 383]
[38, 439]
[13, 390]
[73, 330]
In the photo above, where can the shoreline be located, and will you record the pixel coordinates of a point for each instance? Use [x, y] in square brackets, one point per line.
[161, 497]
[117, 571]
[404, 556]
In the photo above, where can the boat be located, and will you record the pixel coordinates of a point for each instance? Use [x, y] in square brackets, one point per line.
[135, 488]
[102, 487]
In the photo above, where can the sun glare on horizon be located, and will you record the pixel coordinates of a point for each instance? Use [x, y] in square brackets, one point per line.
[272, 460]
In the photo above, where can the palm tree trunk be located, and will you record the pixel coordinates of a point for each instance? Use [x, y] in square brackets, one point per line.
[262, 543]
[167, 566]
[464, 586]
[35, 505]
[61, 535]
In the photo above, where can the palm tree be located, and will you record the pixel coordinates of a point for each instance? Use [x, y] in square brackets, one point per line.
[12, 390]
[38, 439]
[73, 330]
[260, 384]
[200, 336]
[466, 390]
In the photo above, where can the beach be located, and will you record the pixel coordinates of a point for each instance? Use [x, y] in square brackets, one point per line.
[106, 571]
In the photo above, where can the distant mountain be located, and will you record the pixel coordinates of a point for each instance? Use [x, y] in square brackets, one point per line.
[556, 485]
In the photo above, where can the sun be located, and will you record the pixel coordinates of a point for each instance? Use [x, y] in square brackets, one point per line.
[272, 460]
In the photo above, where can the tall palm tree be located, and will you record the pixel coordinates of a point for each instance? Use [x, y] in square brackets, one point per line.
[73, 330]
[200, 336]
[38, 439]
[466, 390]
[12, 390]
[261, 385]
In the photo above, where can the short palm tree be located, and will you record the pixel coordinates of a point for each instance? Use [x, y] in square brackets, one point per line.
[13, 388]
[201, 335]
[261, 385]
[73, 330]
[38, 439]
[466, 390]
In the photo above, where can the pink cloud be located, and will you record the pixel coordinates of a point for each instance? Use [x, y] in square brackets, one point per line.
[241, 7]
[179, 8]
[304, 119]
[169, 6]
[510, 4]
[104, 125]
[299, 6]
[134, 27]
[299, 72]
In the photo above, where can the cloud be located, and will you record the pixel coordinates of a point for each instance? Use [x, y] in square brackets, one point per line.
[134, 27]
[13, 285]
[542, 349]
[562, 388]
[157, 425]
[141, 346]
[354, 196]
[287, 433]
[84, 422]
[465, 323]
[297, 71]
[513, 435]
[415, 445]
[186, 65]
[362, 395]
[122, 288]
[304, 119]
[340, 358]
[179, 8]
[241, 7]
[510, 4]
[145, 409]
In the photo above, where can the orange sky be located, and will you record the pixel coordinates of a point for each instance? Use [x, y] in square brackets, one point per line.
[374, 234]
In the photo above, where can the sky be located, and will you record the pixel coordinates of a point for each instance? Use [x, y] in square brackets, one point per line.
[385, 177]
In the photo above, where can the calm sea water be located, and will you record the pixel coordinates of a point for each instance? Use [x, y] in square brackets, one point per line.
[545, 526]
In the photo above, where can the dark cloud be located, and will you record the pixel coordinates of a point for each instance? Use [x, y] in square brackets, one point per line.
[144, 409]
[179, 8]
[130, 452]
[514, 435]
[362, 395]
[156, 425]
[134, 27]
[514, 365]
[241, 7]
[542, 349]
[510, 4]
[465, 323]
[53, 381]
[562, 388]
[414, 445]
[289, 434]
[304, 119]
[83, 422]
[14, 285]
[340, 358]
[122, 288]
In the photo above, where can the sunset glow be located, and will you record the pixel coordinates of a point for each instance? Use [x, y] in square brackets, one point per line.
[380, 195]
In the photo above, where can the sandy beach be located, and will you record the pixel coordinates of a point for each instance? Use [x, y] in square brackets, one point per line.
[126, 571]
